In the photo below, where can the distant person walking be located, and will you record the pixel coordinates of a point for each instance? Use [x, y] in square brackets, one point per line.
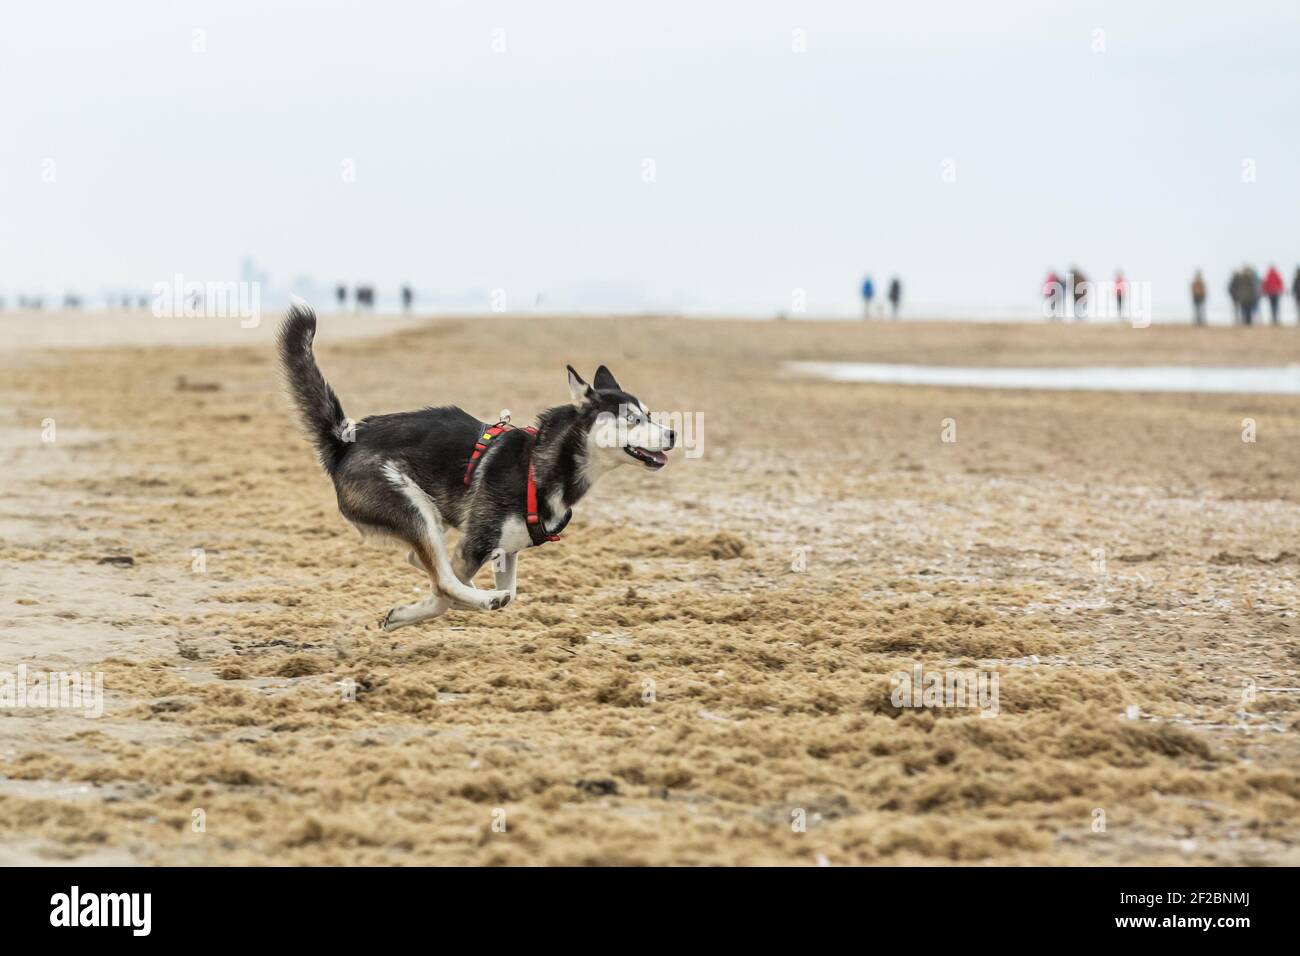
[1250, 293]
[895, 294]
[1273, 288]
[341, 295]
[1082, 301]
[1295, 292]
[1198, 298]
[1237, 293]
[1121, 290]
[408, 296]
[1247, 282]
[868, 293]
[1053, 289]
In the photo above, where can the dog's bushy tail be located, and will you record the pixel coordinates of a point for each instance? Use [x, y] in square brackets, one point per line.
[319, 408]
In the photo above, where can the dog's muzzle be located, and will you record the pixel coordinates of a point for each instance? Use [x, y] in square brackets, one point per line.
[654, 460]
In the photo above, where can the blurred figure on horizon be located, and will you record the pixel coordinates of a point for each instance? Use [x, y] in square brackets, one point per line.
[408, 296]
[1121, 288]
[868, 293]
[1198, 298]
[1237, 293]
[1249, 293]
[1081, 302]
[341, 295]
[1273, 286]
[1244, 289]
[1295, 292]
[1052, 291]
[895, 294]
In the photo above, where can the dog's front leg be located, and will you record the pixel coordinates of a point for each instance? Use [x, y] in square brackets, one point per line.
[504, 565]
[432, 542]
[460, 569]
[464, 567]
[466, 562]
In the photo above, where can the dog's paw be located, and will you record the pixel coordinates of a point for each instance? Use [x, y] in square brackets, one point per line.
[386, 623]
[498, 602]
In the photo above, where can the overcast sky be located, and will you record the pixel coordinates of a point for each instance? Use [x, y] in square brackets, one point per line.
[390, 142]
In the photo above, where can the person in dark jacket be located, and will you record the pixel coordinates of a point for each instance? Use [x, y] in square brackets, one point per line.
[1295, 292]
[895, 294]
[1236, 293]
[1250, 293]
[1082, 300]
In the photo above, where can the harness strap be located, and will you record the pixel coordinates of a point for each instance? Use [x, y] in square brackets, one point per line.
[480, 446]
[536, 530]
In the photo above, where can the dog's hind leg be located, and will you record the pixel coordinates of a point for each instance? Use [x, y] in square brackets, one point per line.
[433, 606]
[432, 538]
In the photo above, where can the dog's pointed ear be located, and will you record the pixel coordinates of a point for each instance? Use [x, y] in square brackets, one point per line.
[604, 379]
[579, 391]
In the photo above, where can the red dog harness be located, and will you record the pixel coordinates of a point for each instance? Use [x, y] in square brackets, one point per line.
[536, 531]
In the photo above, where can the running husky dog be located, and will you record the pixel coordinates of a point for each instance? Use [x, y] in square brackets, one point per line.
[411, 475]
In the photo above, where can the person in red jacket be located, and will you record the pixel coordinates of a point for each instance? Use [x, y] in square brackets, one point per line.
[1053, 292]
[1273, 286]
[1121, 290]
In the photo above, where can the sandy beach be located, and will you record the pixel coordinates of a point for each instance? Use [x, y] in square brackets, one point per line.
[700, 672]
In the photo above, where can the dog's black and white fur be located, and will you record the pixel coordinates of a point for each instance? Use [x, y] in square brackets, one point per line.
[402, 476]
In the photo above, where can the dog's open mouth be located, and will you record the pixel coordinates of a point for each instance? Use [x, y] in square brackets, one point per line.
[653, 460]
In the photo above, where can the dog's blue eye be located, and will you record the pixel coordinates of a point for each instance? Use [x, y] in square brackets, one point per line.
[631, 417]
